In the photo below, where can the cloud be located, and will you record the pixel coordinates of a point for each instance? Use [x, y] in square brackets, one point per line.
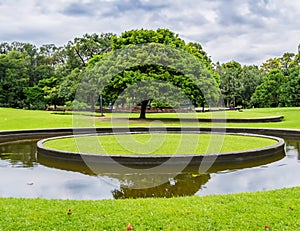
[246, 31]
[134, 5]
[78, 9]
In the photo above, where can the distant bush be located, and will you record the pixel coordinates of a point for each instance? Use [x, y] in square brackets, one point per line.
[76, 105]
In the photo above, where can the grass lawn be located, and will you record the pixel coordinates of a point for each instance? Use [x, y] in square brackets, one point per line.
[13, 119]
[157, 143]
[270, 210]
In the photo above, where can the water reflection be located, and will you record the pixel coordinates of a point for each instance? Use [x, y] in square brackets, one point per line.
[181, 185]
[40, 177]
[20, 154]
[135, 184]
[293, 148]
[279, 174]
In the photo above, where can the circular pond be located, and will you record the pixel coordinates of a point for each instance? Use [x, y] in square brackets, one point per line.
[30, 175]
[154, 149]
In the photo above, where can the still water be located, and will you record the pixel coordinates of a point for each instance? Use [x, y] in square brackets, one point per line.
[24, 175]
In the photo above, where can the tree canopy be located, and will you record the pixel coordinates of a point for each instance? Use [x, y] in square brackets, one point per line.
[147, 55]
[49, 76]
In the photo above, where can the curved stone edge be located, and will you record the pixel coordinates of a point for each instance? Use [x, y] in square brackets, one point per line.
[243, 120]
[16, 135]
[138, 160]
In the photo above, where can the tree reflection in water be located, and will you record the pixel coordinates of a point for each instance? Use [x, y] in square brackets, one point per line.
[185, 184]
[293, 146]
[133, 185]
[22, 154]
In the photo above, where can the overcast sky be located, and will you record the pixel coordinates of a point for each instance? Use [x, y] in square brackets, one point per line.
[249, 31]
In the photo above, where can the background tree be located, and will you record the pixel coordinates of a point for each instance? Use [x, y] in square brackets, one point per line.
[267, 94]
[36, 77]
[151, 71]
[86, 47]
[13, 77]
[231, 83]
[251, 78]
[290, 89]
[279, 86]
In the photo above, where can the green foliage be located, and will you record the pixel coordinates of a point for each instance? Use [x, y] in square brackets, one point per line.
[251, 78]
[75, 105]
[35, 98]
[25, 67]
[86, 47]
[280, 83]
[147, 55]
[31, 77]
[231, 83]
[238, 83]
[13, 77]
[69, 85]
[163, 36]
[290, 89]
[268, 93]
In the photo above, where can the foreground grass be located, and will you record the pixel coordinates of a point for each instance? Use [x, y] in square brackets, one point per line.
[278, 210]
[157, 143]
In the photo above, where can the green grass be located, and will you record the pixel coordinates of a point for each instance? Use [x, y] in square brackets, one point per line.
[13, 119]
[279, 210]
[157, 143]
[290, 121]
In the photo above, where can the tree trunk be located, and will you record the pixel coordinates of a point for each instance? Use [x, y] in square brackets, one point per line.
[92, 102]
[202, 105]
[143, 109]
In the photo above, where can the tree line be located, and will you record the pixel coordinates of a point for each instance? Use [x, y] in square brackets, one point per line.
[35, 77]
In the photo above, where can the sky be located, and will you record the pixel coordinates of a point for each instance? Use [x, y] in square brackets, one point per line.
[246, 31]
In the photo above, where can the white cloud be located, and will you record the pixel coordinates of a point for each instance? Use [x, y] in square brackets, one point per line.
[245, 31]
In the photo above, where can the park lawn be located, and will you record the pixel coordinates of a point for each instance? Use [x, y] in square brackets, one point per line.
[18, 119]
[159, 144]
[290, 121]
[269, 210]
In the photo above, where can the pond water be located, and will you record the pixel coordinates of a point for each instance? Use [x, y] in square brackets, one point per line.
[24, 175]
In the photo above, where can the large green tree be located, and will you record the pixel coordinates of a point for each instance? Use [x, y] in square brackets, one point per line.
[231, 82]
[166, 58]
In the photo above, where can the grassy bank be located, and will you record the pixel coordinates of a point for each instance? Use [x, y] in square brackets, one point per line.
[156, 144]
[278, 210]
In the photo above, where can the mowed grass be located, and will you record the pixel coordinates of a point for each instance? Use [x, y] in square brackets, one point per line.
[270, 210]
[290, 121]
[159, 144]
[14, 119]
[18, 119]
